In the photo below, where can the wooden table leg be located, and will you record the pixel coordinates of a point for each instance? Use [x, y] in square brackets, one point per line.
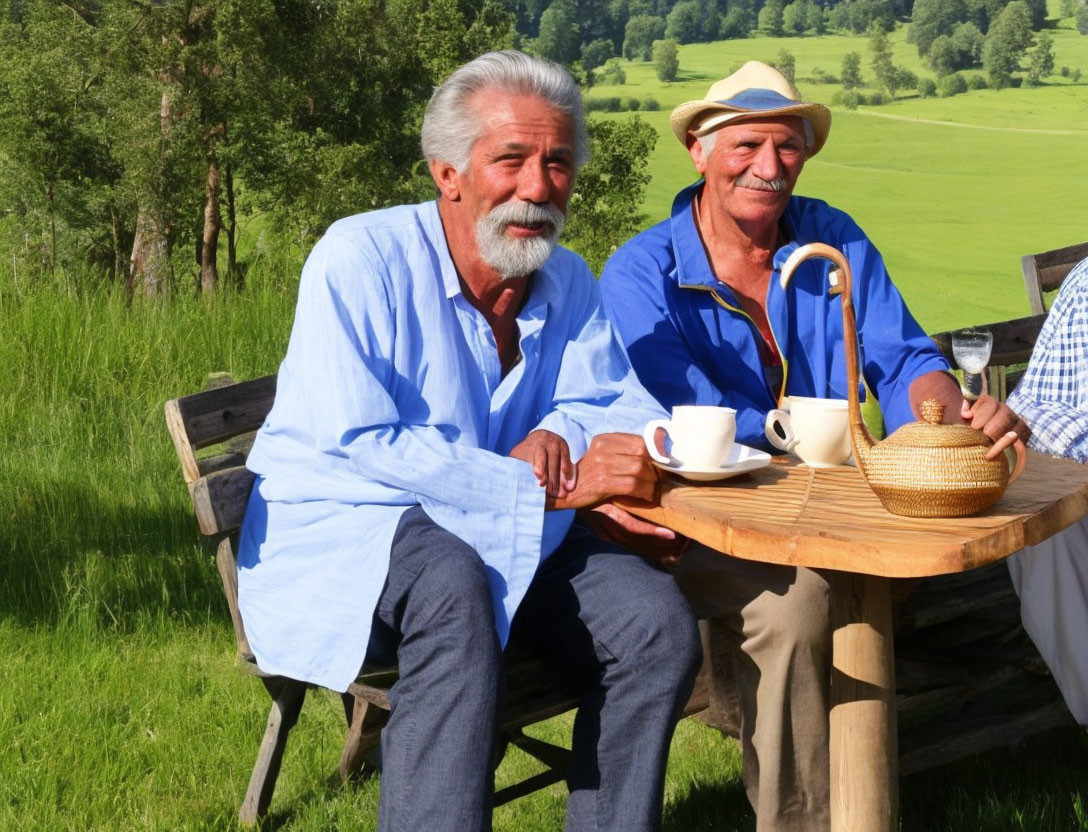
[864, 744]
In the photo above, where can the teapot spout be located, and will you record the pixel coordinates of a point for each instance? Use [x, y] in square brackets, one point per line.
[841, 284]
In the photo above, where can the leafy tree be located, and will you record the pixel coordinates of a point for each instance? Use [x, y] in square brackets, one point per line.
[1041, 59]
[795, 17]
[933, 18]
[1069, 7]
[684, 23]
[1008, 39]
[58, 178]
[816, 19]
[968, 41]
[605, 208]
[736, 23]
[786, 64]
[927, 88]
[1082, 20]
[666, 60]
[1038, 13]
[558, 38]
[639, 36]
[881, 60]
[770, 18]
[944, 57]
[596, 52]
[851, 70]
[857, 16]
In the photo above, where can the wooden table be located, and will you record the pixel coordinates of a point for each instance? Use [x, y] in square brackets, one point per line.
[791, 514]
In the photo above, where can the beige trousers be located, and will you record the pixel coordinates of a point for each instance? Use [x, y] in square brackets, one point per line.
[770, 648]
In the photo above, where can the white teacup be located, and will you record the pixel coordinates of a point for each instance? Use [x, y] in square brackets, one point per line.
[702, 437]
[816, 430]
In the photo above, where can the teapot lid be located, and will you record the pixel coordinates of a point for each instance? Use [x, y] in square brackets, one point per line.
[930, 432]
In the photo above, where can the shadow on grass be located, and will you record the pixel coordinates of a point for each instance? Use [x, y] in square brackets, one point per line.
[683, 76]
[710, 807]
[78, 549]
[1040, 785]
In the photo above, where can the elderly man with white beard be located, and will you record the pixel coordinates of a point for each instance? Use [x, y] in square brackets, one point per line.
[416, 497]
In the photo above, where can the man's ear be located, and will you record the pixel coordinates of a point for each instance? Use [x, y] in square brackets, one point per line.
[447, 179]
[698, 156]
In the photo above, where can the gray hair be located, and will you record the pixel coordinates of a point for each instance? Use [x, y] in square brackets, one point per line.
[451, 127]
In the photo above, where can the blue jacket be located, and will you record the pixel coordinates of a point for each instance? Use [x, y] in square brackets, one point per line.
[691, 343]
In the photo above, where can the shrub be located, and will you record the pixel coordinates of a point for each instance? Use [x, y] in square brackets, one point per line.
[821, 76]
[666, 59]
[976, 82]
[611, 73]
[875, 99]
[1064, 71]
[596, 53]
[850, 99]
[608, 104]
[927, 87]
[1076, 75]
[950, 85]
[649, 103]
[633, 104]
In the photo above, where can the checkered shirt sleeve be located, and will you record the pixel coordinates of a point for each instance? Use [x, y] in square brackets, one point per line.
[1052, 397]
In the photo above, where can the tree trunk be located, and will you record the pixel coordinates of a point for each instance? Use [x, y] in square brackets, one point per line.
[213, 222]
[232, 252]
[151, 271]
[116, 246]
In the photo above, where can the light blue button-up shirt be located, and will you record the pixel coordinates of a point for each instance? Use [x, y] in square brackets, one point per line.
[391, 395]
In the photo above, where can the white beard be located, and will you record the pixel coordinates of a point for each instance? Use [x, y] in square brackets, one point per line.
[517, 256]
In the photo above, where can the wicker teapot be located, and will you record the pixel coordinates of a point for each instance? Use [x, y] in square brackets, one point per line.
[924, 469]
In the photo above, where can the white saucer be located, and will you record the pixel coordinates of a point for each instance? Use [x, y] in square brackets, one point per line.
[741, 460]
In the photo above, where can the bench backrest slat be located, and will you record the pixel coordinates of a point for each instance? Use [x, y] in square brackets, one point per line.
[214, 416]
[220, 498]
[1013, 340]
[1045, 272]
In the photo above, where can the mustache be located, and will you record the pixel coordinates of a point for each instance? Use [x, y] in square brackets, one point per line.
[520, 212]
[756, 183]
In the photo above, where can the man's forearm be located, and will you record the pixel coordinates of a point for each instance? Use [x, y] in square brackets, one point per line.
[941, 386]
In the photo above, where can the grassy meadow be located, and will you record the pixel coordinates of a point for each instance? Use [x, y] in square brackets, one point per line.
[953, 191]
[120, 708]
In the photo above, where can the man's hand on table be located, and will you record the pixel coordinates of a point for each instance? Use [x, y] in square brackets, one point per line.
[655, 543]
[617, 465]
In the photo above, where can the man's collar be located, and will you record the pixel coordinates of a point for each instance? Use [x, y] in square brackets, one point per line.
[692, 263]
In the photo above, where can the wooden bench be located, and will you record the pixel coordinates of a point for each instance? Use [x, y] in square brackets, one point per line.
[224, 420]
[1045, 272]
[212, 432]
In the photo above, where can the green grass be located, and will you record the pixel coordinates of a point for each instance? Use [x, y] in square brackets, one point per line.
[953, 191]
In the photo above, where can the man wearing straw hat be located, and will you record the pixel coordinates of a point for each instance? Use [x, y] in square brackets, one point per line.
[697, 303]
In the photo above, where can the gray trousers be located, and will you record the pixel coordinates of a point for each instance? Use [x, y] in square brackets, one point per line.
[620, 623]
[769, 642]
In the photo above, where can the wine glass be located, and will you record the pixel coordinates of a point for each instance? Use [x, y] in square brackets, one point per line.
[971, 349]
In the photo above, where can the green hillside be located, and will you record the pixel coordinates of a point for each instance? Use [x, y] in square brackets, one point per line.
[952, 190]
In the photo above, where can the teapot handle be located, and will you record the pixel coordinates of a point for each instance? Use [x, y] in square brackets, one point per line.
[1021, 460]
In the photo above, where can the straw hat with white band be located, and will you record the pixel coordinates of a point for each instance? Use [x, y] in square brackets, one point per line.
[754, 91]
